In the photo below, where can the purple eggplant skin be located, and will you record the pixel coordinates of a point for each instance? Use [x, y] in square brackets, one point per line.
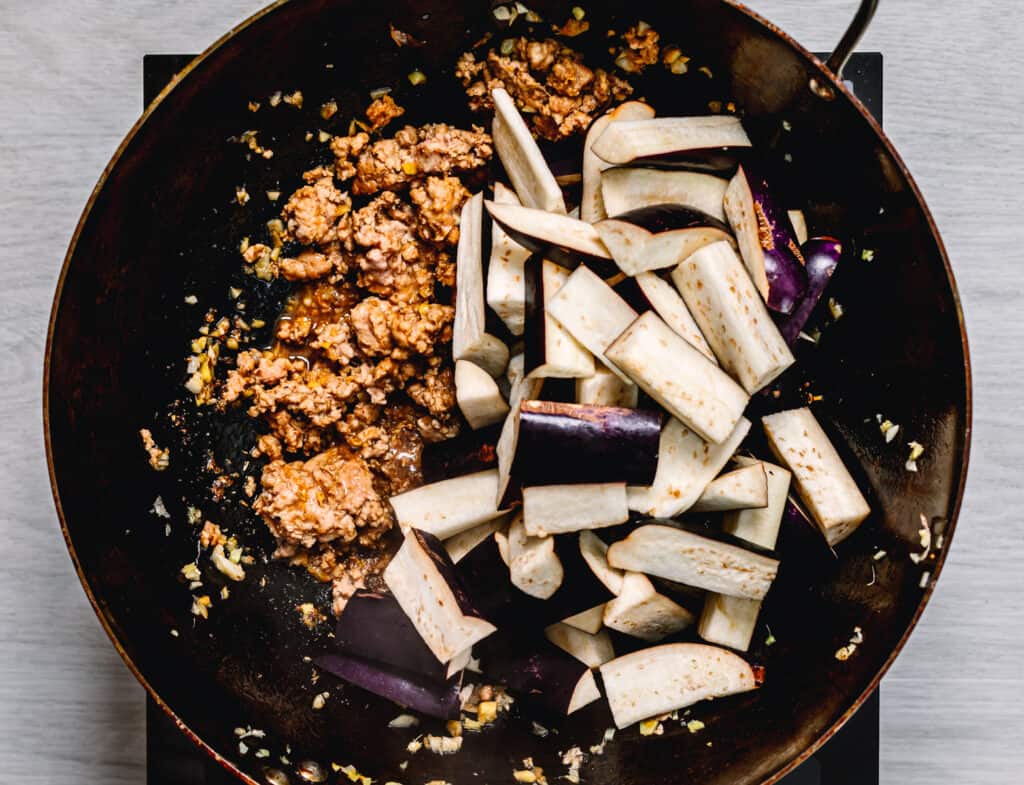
[534, 337]
[532, 667]
[821, 258]
[434, 698]
[721, 161]
[563, 443]
[446, 567]
[658, 218]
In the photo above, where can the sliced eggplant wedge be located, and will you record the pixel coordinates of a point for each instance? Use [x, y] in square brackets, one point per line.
[799, 223]
[686, 466]
[672, 676]
[658, 236]
[556, 509]
[449, 507]
[627, 188]
[478, 395]
[606, 388]
[523, 161]
[822, 480]
[595, 554]
[739, 489]
[679, 377]
[732, 317]
[521, 387]
[567, 241]
[761, 525]
[564, 443]
[641, 612]
[550, 350]
[680, 555]
[672, 140]
[470, 341]
[506, 278]
[432, 698]
[729, 621]
[591, 204]
[534, 567]
[650, 292]
[592, 649]
[591, 620]
[821, 258]
[765, 237]
[423, 580]
[591, 311]
[464, 542]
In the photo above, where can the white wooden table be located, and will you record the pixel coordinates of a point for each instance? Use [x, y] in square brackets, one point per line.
[70, 71]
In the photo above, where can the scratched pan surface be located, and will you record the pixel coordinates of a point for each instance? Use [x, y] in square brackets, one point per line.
[161, 226]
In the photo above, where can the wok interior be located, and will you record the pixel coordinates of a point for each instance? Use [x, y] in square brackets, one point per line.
[163, 227]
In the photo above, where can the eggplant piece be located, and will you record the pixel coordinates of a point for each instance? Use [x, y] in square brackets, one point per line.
[662, 679]
[606, 388]
[740, 489]
[679, 377]
[686, 466]
[798, 221]
[649, 292]
[523, 161]
[464, 542]
[591, 620]
[434, 699]
[478, 395]
[423, 580]
[821, 257]
[446, 508]
[732, 317]
[626, 188]
[641, 612]
[556, 509]
[470, 341]
[506, 278]
[678, 140]
[550, 350]
[565, 443]
[680, 555]
[591, 203]
[595, 553]
[592, 649]
[658, 236]
[823, 482]
[591, 312]
[765, 237]
[541, 672]
[728, 621]
[566, 241]
[761, 526]
[534, 567]
[520, 387]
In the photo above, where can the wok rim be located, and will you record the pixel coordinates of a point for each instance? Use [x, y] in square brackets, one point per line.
[834, 81]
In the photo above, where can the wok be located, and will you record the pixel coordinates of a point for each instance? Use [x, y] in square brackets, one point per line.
[160, 226]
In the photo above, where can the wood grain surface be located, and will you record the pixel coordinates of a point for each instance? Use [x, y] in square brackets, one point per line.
[70, 74]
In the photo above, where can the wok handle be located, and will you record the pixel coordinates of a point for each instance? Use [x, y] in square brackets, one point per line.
[837, 60]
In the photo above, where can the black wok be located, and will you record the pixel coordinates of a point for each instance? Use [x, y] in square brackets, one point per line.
[161, 226]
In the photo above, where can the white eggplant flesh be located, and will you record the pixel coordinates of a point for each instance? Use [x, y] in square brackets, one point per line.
[590, 620]
[520, 388]
[592, 312]
[606, 388]
[586, 692]
[591, 203]
[662, 679]
[459, 662]
[556, 509]
[523, 161]
[641, 612]
[464, 542]
[552, 230]
[822, 480]
[555, 353]
[732, 316]
[627, 141]
[593, 650]
[478, 395]
[449, 507]
[637, 250]
[595, 553]
[679, 377]
[428, 598]
[740, 489]
[685, 557]
[667, 303]
[470, 341]
[799, 221]
[686, 466]
[761, 526]
[506, 281]
[728, 621]
[534, 567]
[627, 188]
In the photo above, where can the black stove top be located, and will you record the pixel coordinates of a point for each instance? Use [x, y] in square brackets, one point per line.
[849, 758]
